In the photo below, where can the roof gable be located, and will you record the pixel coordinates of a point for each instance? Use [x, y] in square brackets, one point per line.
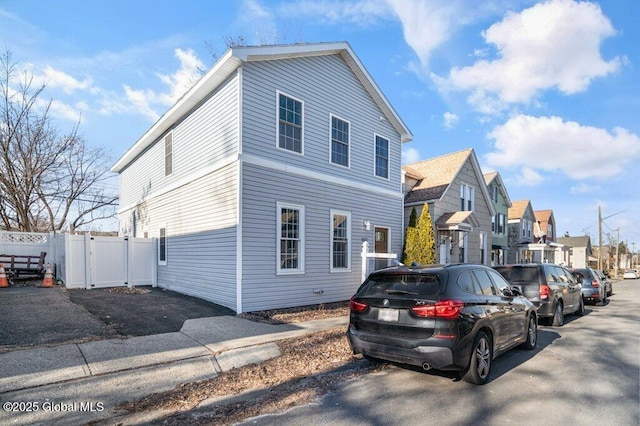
[495, 177]
[233, 59]
[435, 176]
[519, 209]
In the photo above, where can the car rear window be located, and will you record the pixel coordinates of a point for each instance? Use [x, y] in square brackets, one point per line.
[582, 273]
[519, 275]
[400, 284]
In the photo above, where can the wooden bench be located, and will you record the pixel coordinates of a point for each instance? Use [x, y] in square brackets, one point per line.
[16, 264]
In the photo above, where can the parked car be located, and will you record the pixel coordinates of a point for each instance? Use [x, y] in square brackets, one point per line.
[593, 288]
[446, 317]
[551, 288]
[608, 285]
[630, 274]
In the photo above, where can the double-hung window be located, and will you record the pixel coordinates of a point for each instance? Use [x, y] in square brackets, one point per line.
[168, 154]
[290, 121]
[339, 141]
[382, 157]
[290, 257]
[466, 197]
[162, 247]
[340, 240]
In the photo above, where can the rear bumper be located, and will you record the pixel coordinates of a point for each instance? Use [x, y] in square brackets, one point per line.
[437, 357]
[545, 309]
[591, 294]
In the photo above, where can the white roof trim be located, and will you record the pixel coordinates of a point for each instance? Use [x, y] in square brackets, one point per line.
[231, 61]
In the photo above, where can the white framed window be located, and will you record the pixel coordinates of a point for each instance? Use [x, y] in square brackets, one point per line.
[483, 248]
[502, 219]
[524, 227]
[381, 160]
[340, 141]
[290, 123]
[290, 234]
[466, 197]
[462, 247]
[168, 154]
[340, 241]
[162, 246]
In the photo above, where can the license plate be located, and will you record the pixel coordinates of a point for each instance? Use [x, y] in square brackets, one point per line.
[388, 315]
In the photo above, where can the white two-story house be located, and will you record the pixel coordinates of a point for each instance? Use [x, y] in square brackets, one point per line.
[264, 179]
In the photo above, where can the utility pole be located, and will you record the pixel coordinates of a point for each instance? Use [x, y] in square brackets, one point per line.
[600, 238]
[617, 253]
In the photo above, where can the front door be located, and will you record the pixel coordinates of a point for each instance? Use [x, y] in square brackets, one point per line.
[381, 246]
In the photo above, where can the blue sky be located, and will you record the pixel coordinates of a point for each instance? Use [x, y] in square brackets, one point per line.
[547, 93]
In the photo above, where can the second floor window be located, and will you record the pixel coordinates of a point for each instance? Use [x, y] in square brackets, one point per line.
[289, 123]
[339, 141]
[382, 157]
[466, 197]
[168, 154]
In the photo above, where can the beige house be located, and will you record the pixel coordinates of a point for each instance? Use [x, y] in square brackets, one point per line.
[528, 236]
[453, 188]
[580, 253]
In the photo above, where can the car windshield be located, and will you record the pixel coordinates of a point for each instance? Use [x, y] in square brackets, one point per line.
[519, 275]
[402, 284]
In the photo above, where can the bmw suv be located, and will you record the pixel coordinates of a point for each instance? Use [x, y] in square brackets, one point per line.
[446, 317]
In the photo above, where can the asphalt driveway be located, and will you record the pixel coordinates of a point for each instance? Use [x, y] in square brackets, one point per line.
[32, 316]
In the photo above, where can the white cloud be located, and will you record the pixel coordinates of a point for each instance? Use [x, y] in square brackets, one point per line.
[528, 177]
[584, 188]
[410, 155]
[555, 44]
[363, 13]
[56, 79]
[428, 24]
[450, 119]
[551, 144]
[178, 83]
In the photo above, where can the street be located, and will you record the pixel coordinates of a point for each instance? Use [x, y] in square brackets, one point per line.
[584, 373]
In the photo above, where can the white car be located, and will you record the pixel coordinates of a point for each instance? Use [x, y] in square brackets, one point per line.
[630, 274]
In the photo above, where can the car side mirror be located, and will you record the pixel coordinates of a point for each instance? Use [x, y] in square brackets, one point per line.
[516, 291]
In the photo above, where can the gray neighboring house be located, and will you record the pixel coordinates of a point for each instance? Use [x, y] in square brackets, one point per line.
[499, 231]
[264, 179]
[454, 189]
[520, 231]
[580, 252]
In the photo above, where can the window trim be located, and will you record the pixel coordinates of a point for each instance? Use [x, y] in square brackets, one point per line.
[302, 126]
[168, 157]
[301, 229]
[332, 268]
[331, 117]
[163, 229]
[375, 156]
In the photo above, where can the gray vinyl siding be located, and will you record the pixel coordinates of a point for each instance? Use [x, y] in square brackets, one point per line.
[201, 225]
[208, 135]
[263, 188]
[325, 85]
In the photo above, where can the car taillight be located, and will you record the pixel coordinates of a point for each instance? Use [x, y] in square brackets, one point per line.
[544, 291]
[594, 284]
[446, 309]
[357, 307]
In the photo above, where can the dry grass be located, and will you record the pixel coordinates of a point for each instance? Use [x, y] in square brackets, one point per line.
[308, 367]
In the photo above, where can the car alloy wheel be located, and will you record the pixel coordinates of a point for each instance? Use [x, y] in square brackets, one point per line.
[558, 316]
[480, 362]
[532, 334]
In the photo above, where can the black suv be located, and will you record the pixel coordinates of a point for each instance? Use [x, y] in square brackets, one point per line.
[552, 288]
[453, 317]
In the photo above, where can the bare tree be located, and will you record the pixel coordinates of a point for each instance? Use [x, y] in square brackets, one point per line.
[48, 180]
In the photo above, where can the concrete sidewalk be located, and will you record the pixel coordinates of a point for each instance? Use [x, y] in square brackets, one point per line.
[79, 383]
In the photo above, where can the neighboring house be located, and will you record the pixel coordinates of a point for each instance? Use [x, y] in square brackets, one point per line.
[545, 227]
[499, 232]
[459, 204]
[527, 242]
[520, 219]
[580, 252]
[264, 179]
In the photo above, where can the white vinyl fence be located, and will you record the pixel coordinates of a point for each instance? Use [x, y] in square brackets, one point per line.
[86, 261]
[373, 261]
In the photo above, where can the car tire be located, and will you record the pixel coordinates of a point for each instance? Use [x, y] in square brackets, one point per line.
[604, 298]
[480, 363]
[532, 334]
[558, 315]
[580, 311]
[610, 292]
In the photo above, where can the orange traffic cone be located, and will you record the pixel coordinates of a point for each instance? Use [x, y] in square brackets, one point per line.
[48, 277]
[3, 277]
